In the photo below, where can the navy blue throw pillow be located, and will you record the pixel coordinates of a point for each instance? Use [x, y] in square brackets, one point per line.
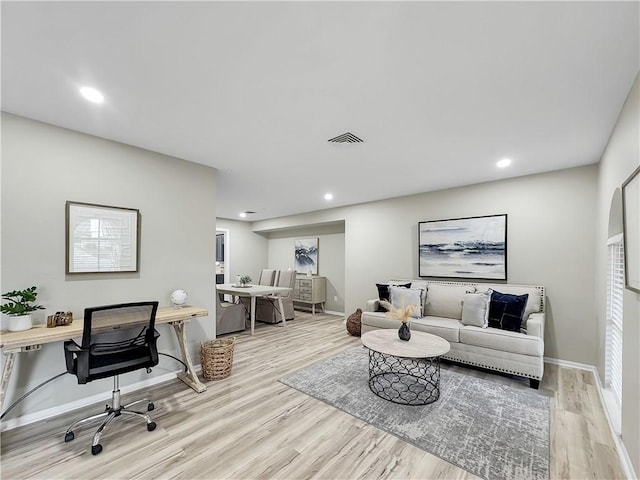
[506, 311]
[383, 293]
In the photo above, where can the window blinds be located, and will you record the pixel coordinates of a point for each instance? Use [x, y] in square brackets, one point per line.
[615, 291]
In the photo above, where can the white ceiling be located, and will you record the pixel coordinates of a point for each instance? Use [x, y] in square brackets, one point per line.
[438, 91]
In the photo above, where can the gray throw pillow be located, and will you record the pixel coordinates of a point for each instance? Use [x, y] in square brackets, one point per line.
[475, 309]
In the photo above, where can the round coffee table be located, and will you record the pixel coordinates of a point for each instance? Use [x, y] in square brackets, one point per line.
[405, 372]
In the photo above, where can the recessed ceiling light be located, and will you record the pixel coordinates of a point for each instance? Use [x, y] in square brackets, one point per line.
[243, 214]
[328, 196]
[505, 162]
[92, 94]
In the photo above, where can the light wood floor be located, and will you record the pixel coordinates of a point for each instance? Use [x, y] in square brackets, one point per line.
[251, 426]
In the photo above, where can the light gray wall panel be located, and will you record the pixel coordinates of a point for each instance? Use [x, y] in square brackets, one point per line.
[551, 239]
[331, 250]
[248, 251]
[42, 167]
[620, 159]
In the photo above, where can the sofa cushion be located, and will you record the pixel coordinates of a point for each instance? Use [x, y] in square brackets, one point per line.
[403, 297]
[447, 328]
[378, 320]
[503, 340]
[446, 300]
[475, 309]
[383, 293]
[506, 311]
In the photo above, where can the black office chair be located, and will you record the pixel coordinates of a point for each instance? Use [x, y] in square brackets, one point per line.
[116, 339]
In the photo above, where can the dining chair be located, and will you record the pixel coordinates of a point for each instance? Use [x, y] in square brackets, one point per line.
[267, 277]
[230, 317]
[267, 309]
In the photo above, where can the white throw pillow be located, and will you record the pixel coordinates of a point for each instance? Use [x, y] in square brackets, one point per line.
[475, 309]
[422, 286]
[403, 297]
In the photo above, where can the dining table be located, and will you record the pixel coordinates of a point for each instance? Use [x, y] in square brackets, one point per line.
[253, 292]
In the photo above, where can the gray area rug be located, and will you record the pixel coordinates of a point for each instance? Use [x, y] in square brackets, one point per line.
[491, 430]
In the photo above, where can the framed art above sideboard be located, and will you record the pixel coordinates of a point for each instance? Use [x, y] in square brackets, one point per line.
[306, 255]
[463, 248]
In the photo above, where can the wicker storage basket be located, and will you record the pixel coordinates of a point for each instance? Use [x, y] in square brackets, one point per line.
[216, 357]
[354, 323]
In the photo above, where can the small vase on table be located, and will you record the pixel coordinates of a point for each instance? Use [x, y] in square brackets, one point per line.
[404, 333]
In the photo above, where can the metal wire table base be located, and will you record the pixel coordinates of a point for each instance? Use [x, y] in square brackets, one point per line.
[407, 381]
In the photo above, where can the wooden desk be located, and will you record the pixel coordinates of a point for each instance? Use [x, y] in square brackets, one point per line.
[255, 291]
[13, 343]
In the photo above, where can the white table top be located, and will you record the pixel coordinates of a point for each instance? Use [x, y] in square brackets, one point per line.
[421, 344]
[251, 290]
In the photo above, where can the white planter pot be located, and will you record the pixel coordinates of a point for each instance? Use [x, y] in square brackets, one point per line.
[19, 323]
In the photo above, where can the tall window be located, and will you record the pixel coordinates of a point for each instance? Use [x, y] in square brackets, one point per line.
[615, 290]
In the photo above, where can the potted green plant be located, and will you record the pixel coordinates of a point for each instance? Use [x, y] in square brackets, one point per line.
[244, 280]
[19, 307]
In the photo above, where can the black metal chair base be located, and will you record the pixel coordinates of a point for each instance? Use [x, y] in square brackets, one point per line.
[406, 381]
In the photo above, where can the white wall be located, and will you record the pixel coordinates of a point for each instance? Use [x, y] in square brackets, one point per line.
[551, 234]
[330, 262]
[44, 166]
[620, 158]
[250, 251]
[246, 250]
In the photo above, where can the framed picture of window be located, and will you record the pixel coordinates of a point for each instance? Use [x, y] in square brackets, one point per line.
[101, 239]
[631, 226]
[469, 248]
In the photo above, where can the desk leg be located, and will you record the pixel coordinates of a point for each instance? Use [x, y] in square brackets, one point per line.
[281, 307]
[9, 359]
[253, 313]
[189, 377]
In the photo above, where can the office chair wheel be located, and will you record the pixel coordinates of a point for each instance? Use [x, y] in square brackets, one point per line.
[150, 407]
[96, 449]
[69, 436]
[151, 426]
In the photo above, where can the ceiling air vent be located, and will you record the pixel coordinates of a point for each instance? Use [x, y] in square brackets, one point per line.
[346, 138]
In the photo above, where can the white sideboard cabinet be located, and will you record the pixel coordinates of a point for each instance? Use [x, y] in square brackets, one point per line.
[310, 290]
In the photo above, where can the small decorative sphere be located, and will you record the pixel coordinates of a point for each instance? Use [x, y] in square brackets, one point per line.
[178, 297]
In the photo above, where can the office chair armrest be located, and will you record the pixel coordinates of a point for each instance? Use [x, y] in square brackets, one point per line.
[75, 366]
[71, 348]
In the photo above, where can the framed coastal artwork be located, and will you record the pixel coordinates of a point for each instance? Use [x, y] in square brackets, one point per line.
[631, 226]
[306, 255]
[464, 248]
[101, 239]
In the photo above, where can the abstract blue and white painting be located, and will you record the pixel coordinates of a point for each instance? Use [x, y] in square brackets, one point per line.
[474, 247]
[306, 255]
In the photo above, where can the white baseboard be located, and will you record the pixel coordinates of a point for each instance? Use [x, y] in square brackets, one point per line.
[622, 450]
[568, 364]
[83, 402]
[331, 312]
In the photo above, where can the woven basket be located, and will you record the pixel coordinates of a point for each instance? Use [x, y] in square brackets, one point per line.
[216, 357]
[354, 323]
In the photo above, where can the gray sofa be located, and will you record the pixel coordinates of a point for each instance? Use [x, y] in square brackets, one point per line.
[491, 348]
